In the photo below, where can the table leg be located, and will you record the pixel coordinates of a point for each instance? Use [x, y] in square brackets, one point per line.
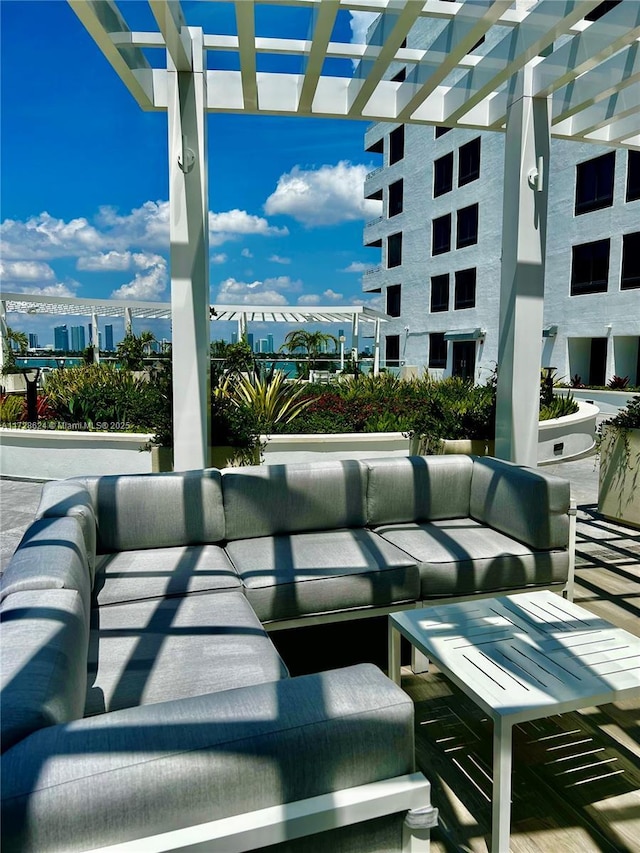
[501, 804]
[394, 653]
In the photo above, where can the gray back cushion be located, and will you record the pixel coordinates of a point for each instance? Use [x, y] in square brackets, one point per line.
[137, 511]
[525, 503]
[271, 499]
[418, 488]
[51, 555]
[69, 497]
[44, 635]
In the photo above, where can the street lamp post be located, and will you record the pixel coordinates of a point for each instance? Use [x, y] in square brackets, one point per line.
[342, 339]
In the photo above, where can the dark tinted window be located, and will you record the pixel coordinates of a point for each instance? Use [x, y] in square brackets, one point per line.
[393, 300]
[440, 293]
[396, 198]
[601, 10]
[465, 294]
[590, 267]
[630, 261]
[437, 350]
[440, 131]
[392, 350]
[394, 250]
[467, 232]
[401, 76]
[469, 162]
[396, 145]
[443, 175]
[633, 176]
[441, 234]
[594, 183]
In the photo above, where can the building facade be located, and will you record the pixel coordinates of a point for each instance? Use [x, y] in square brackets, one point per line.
[61, 338]
[440, 238]
[78, 338]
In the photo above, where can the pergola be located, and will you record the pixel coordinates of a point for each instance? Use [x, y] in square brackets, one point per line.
[550, 72]
[23, 303]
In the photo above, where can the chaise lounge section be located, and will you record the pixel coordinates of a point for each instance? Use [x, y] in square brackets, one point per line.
[142, 695]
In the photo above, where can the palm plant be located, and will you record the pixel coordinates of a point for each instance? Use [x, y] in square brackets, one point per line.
[313, 343]
[20, 340]
[273, 400]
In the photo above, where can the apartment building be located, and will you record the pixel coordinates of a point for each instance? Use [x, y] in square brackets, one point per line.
[440, 237]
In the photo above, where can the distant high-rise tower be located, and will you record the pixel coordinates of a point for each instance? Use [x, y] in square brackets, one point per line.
[250, 340]
[78, 341]
[61, 338]
[33, 341]
[234, 337]
[270, 345]
[108, 338]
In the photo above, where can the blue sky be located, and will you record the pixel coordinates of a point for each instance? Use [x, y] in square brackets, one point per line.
[84, 188]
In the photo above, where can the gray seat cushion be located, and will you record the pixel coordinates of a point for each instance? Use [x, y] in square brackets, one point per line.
[461, 556]
[71, 498]
[159, 572]
[322, 571]
[160, 649]
[141, 771]
[44, 635]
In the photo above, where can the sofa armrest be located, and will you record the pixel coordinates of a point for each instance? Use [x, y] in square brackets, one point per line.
[525, 503]
[175, 764]
[61, 498]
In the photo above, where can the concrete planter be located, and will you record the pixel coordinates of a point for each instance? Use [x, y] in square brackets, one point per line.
[34, 454]
[619, 481]
[220, 456]
[12, 382]
[475, 446]
[331, 442]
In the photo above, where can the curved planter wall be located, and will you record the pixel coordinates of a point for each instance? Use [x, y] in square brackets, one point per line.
[34, 454]
[52, 455]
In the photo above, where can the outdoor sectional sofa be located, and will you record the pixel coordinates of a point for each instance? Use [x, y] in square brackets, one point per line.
[142, 695]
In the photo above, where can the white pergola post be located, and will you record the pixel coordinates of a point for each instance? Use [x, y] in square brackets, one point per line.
[95, 338]
[354, 340]
[524, 227]
[189, 211]
[4, 335]
[128, 322]
[376, 349]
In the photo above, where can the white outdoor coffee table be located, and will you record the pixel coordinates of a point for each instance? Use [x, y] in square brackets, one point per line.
[519, 658]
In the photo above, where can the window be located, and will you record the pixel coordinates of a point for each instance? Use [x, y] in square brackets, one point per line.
[465, 293]
[400, 77]
[396, 145]
[594, 183]
[437, 350]
[630, 261]
[440, 293]
[393, 300]
[392, 351]
[443, 175]
[633, 176]
[469, 162]
[467, 232]
[394, 250]
[396, 198]
[441, 234]
[590, 267]
[440, 131]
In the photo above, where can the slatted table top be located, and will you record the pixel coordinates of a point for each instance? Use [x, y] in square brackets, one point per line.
[526, 656]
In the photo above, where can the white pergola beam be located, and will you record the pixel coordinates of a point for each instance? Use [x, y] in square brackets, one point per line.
[621, 104]
[245, 22]
[105, 24]
[325, 17]
[616, 131]
[522, 45]
[602, 39]
[170, 19]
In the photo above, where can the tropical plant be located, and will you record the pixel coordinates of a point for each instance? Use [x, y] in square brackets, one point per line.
[11, 409]
[21, 342]
[235, 425]
[617, 383]
[273, 400]
[147, 338]
[558, 407]
[313, 343]
[130, 351]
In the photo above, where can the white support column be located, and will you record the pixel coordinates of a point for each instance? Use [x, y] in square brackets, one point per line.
[4, 335]
[128, 322]
[95, 338]
[524, 227]
[189, 211]
[376, 349]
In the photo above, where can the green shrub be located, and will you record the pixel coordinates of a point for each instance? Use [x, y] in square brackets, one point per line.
[12, 409]
[559, 407]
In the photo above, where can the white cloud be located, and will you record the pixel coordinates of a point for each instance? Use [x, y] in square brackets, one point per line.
[43, 237]
[358, 267]
[267, 292]
[105, 261]
[277, 259]
[309, 299]
[316, 298]
[246, 253]
[147, 285]
[218, 259]
[13, 271]
[58, 289]
[332, 296]
[232, 223]
[323, 196]
[360, 23]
